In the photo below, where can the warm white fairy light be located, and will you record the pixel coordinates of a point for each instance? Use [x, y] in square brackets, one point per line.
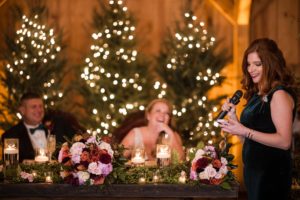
[97, 71]
[42, 47]
[196, 40]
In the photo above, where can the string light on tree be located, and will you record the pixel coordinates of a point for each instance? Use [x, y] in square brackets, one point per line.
[113, 72]
[43, 49]
[33, 63]
[189, 68]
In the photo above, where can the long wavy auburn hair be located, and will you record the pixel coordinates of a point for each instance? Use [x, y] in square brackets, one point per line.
[274, 67]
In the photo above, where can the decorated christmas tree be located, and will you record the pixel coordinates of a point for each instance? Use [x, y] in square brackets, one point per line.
[114, 74]
[33, 63]
[190, 67]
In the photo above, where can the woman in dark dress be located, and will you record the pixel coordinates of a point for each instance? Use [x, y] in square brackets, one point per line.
[266, 121]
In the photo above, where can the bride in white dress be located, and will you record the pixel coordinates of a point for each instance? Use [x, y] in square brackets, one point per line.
[158, 114]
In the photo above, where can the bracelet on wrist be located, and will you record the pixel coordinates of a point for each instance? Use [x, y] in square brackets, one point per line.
[249, 134]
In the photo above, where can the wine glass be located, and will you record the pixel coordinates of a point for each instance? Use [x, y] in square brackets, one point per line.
[51, 145]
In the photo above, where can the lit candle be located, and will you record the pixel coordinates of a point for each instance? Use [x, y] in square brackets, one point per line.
[163, 152]
[155, 178]
[41, 156]
[48, 179]
[182, 177]
[34, 174]
[11, 149]
[163, 155]
[138, 158]
[142, 180]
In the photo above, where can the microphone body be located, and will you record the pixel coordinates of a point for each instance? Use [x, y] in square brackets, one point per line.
[222, 114]
[235, 99]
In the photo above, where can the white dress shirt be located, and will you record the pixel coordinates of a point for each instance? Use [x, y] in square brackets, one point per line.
[38, 138]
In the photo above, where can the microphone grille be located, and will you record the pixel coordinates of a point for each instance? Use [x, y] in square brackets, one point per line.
[239, 93]
[236, 97]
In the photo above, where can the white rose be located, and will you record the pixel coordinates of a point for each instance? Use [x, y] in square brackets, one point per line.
[218, 175]
[107, 147]
[224, 161]
[223, 170]
[83, 176]
[199, 153]
[94, 168]
[211, 172]
[203, 175]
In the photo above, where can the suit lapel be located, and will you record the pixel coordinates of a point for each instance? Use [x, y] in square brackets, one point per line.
[26, 148]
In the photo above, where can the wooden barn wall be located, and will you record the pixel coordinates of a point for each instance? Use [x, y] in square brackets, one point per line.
[279, 20]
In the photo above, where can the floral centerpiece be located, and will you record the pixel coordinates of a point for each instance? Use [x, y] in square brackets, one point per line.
[210, 166]
[87, 162]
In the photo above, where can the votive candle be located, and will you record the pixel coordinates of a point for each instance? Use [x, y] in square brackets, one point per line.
[49, 177]
[142, 180]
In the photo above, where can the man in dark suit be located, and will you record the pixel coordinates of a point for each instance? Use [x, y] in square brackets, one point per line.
[30, 131]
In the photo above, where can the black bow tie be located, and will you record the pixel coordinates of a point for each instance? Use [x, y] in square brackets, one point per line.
[40, 127]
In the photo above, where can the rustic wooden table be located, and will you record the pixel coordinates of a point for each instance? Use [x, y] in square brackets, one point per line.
[117, 191]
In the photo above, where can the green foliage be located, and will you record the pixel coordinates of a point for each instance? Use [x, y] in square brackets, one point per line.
[119, 168]
[169, 174]
[33, 62]
[190, 65]
[125, 174]
[115, 76]
[41, 170]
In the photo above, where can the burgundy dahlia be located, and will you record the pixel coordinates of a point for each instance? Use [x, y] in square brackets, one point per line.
[201, 164]
[105, 158]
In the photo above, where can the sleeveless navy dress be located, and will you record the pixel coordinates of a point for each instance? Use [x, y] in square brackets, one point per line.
[267, 170]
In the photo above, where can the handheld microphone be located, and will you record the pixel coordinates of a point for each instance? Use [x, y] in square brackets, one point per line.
[235, 99]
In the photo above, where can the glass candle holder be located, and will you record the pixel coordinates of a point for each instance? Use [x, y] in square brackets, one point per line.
[11, 157]
[34, 173]
[156, 177]
[41, 155]
[51, 145]
[49, 177]
[138, 157]
[11, 151]
[163, 155]
[182, 177]
[142, 180]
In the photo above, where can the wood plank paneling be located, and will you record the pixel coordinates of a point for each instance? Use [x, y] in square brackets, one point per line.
[280, 21]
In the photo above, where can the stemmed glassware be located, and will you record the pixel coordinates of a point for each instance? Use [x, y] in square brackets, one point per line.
[51, 145]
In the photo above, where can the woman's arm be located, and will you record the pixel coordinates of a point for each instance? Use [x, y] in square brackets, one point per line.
[282, 105]
[128, 143]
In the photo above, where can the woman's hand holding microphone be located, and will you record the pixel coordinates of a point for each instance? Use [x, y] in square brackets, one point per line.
[232, 125]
